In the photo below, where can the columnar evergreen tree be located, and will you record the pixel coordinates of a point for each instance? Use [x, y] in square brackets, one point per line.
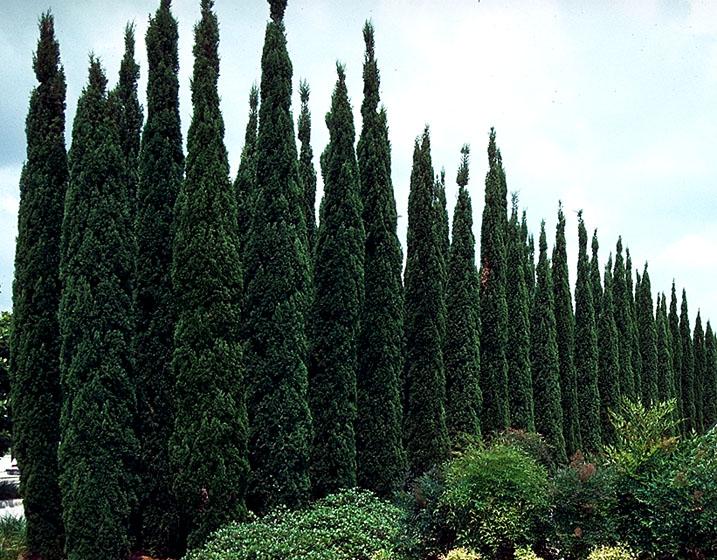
[209, 441]
[586, 354]
[442, 234]
[161, 167]
[676, 347]
[425, 432]
[623, 321]
[648, 339]
[245, 182]
[665, 375]
[277, 288]
[381, 460]
[544, 357]
[519, 376]
[595, 281]
[710, 385]
[493, 304]
[462, 352]
[338, 298]
[636, 354]
[609, 359]
[689, 411]
[529, 256]
[306, 166]
[35, 338]
[698, 344]
[565, 330]
[98, 448]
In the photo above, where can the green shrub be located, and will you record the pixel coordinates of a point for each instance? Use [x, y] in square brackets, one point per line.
[495, 499]
[351, 525]
[611, 553]
[526, 553]
[12, 537]
[531, 443]
[461, 554]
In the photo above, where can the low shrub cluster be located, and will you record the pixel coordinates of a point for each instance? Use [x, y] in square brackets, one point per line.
[12, 537]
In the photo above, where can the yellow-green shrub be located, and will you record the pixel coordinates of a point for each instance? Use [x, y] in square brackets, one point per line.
[611, 553]
[462, 554]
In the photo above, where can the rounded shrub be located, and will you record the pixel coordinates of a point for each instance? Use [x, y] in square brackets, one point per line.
[611, 553]
[461, 554]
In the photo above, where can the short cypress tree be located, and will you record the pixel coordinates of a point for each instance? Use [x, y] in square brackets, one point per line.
[609, 359]
[636, 353]
[462, 352]
[698, 344]
[425, 433]
[306, 166]
[519, 377]
[245, 182]
[35, 338]
[648, 339]
[586, 354]
[665, 375]
[338, 298]
[381, 459]
[544, 357]
[493, 304]
[565, 331]
[689, 411]
[595, 281]
[98, 448]
[161, 167]
[710, 385]
[209, 443]
[621, 303]
[277, 288]
[676, 347]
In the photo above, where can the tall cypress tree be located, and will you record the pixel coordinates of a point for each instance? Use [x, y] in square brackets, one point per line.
[621, 303]
[245, 182]
[689, 411]
[565, 331]
[529, 256]
[586, 354]
[35, 337]
[306, 166]
[381, 460]
[698, 344]
[595, 282]
[338, 297]
[462, 352]
[519, 377]
[665, 375]
[710, 386]
[493, 304]
[442, 234]
[635, 354]
[609, 359]
[648, 339]
[425, 432]
[544, 357]
[277, 288]
[98, 448]
[676, 347]
[209, 442]
[161, 167]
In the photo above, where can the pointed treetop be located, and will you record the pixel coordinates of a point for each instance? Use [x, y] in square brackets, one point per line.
[278, 7]
[47, 58]
[254, 98]
[165, 4]
[207, 6]
[129, 37]
[341, 71]
[97, 79]
[462, 178]
[369, 40]
[492, 147]
[304, 92]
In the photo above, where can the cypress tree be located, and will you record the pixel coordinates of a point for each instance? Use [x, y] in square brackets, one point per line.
[462, 352]
[493, 304]
[635, 354]
[338, 297]
[710, 387]
[595, 281]
[381, 460]
[586, 354]
[676, 347]
[648, 340]
[665, 375]
[277, 288]
[209, 442]
[689, 411]
[306, 166]
[609, 359]
[565, 331]
[544, 357]
[519, 377]
[621, 303]
[442, 235]
[35, 338]
[425, 432]
[698, 343]
[245, 182]
[98, 448]
[161, 167]
[529, 256]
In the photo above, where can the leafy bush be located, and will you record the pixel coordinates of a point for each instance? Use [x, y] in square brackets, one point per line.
[351, 525]
[533, 444]
[12, 537]
[525, 553]
[461, 554]
[611, 553]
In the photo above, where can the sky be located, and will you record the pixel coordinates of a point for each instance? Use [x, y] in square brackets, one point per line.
[608, 106]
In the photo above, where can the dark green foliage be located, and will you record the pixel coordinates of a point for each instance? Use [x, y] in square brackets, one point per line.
[687, 381]
[461, 349]
[665, 374]
[493, 304]
[338, 298]
[565, 332]
[442, 236]
[586, 352]
[709, 392]
[608, 358]
[635, 354]
[676, 348]
[698, 345]
[208, 448]
[245, 182]
[425, 432]
[595, 282]
[161, 167]
[519, 378]
[277, 287]
[306, 167]
[530, 255]
[5, 420]
[35, 340]
[381, 460]
[98, 449]
[648, 339]
[623, 321]
[544, 357]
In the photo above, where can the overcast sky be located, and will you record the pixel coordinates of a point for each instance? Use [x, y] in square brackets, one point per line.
[607, 106]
